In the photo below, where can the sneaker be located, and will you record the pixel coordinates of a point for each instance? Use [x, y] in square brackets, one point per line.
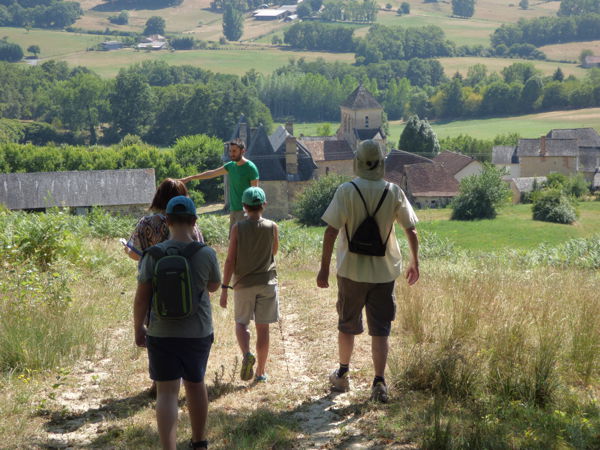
[247, 371]
[339, 384]
[261, 378]
[379, 393]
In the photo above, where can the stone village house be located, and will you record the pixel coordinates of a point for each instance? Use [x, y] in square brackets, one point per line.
[568, 151]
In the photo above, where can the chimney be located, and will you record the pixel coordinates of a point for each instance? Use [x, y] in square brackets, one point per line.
[543, 151]
[291, 156]
[289, 127]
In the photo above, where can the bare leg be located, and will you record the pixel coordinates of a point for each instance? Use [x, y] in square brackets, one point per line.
[197, 403]
[379, 350]
[345, 346]
[262, 347]
[243, 337]
[167, 393]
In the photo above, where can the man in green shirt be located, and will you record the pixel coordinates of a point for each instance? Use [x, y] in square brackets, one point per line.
[242, 174]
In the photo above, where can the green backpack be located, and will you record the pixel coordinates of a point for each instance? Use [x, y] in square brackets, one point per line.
[172, 281]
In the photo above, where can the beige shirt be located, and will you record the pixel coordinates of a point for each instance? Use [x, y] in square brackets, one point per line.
[347, 208]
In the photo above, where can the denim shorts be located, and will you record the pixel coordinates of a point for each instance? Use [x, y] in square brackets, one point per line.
[174, 358]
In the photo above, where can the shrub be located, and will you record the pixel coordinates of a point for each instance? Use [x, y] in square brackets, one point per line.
[315, 199]
[553, 205]
[480, 195]
[183, 43]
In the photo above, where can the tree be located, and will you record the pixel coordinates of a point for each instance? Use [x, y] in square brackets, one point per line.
[418, 137]
[552, 205]
[304, 10]
[524, 4]
[481, 195]
[558, 75]
[131, 104]
[121, 19]
[155, 25]
[233, 23]
[405, 8]
[314, 200]
[10, 52]
[35, 49]
[463, 8]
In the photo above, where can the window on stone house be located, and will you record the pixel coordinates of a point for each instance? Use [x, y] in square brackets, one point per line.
[366, 121]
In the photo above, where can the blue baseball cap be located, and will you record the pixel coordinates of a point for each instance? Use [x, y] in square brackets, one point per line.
[181, 206]
[254, 196]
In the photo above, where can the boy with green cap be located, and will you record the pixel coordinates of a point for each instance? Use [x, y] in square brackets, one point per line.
[253, 244]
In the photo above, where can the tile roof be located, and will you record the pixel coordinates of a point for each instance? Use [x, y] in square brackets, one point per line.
[271, 166]
[525, 184]
[452, 161]
[505, 155]
[369, 133]
[328, 148]
[395, 162]
[554, 147]
[77, 188]
[361, 98]
[430, 180]
[586, 137]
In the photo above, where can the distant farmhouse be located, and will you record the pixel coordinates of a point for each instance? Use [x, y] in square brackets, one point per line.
[127, 191]
[284, 12]
[287, 163]
[153, 42]
[591, 61]
[568, 151]
[112, 45]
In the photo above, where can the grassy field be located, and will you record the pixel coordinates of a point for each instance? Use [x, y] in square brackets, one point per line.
[570, 51]
[529, 126]
[453, 65]
[487, 351]
[513, 228]
[235, 60]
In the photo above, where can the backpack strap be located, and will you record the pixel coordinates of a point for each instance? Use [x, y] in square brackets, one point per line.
[155, 252]
[362, 198]
[191, 249]
[385, 191]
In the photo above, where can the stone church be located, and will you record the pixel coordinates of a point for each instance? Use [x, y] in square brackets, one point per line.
[288, 163]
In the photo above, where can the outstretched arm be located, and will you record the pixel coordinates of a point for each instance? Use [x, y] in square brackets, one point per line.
[205, 175]
[329, 238]
[412, 273]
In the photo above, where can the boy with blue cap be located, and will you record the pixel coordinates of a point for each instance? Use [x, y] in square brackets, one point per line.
[178, 342]
[251, 262]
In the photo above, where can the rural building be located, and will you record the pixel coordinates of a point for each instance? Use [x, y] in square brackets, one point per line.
[427, 183]
[458, 165]
[127, 191]
[153, 42]
[591, 61]
[361, 118]
[112, 45]
[567, 151]
[505, 157]
[524, 185]
[271, 14]
[596, 181]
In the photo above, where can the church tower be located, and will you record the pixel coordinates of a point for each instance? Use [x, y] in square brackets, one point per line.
[361, 118]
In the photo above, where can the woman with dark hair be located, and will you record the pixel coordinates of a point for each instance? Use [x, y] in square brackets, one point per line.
[152, 229]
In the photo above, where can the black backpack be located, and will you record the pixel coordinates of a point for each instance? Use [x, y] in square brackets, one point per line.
[172, 281]
[366, 240]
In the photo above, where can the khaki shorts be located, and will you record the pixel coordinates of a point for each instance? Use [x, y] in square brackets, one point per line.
[235, 217]
[260, 303]
[377, 299]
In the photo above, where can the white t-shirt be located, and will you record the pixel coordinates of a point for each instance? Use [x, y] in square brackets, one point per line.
[347, 208]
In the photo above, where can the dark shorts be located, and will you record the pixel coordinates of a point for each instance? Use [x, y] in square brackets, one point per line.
[377, 299]
[175, 358]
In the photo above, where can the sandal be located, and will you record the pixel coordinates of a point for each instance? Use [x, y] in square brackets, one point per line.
[199, 444]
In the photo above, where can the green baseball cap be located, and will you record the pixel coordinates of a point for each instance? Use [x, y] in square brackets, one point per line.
[253, 196]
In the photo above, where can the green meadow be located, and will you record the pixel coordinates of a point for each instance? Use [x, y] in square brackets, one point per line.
[528, 126]
[52, 43]
[232, 60]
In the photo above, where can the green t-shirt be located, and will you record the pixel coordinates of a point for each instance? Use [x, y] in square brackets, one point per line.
[239, 180]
